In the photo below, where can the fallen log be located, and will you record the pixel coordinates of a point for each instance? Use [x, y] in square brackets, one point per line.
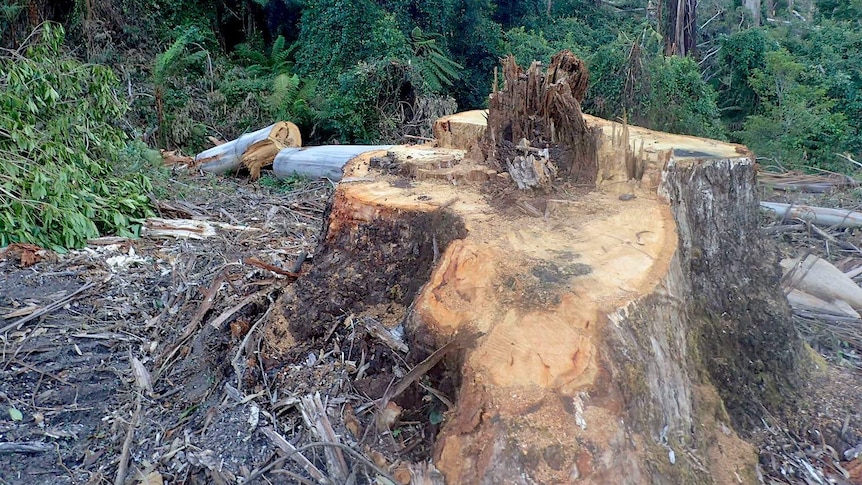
[325, 161]
[252, 151]
[822, 216]
[612, 332]
[819, 278]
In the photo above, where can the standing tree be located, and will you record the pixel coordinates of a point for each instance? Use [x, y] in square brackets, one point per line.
[681, 27]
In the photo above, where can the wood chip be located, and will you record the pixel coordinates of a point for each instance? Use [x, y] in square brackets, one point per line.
[314, 415]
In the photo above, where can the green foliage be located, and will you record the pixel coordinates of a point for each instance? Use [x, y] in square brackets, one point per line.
[436, 69]
[58, 147]
[679, 100]
[832, 54]
[740, 54]
[796, 126]
[841, 9]
[174, 61]
[270, 81]
[335, 36]
[613, 69]
[366, 99]
[480, 46]
[285, 185]
[377, 61]
[529, 46]
[635, 80]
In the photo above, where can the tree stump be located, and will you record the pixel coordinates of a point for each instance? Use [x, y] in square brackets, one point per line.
[623, 329]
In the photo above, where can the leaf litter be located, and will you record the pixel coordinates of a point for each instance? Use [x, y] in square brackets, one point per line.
[143, 361]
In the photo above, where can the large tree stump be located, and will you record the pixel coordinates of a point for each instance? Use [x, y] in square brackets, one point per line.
[622, 337]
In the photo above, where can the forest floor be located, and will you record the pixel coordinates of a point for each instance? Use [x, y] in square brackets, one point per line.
[145, 359]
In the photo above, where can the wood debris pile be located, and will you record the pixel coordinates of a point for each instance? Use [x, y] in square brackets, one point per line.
[147, 360]
[822, 272]
[802, 182]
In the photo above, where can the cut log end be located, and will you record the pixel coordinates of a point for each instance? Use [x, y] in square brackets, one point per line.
[252, 151]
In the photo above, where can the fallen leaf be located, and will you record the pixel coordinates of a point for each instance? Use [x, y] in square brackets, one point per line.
[15, 415]
[153, 478]
[402, 474]
[142, 376]
[388, 416]
[239, 328]
[351, 422]
[26, 254]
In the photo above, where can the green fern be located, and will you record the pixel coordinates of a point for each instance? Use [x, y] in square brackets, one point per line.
[168, 64]
[245, 52]
[280, 56]
[171, 61]
[435, 68]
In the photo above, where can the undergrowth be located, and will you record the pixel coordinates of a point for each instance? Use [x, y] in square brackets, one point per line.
[60, 150]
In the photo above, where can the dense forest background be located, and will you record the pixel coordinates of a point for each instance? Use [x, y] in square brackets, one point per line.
[108, 81]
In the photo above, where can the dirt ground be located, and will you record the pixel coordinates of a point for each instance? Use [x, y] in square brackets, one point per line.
[70, 375]
[147, 355]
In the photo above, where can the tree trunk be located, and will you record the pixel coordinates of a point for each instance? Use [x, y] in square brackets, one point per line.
[753, 6]
[252, 151]
[681, 27]
[325, 161]
[610, 335]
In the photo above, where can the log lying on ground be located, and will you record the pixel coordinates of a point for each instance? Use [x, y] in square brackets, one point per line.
[819, 278]
[822, 216]
[614, 332]
[325, 161]
[253, 150]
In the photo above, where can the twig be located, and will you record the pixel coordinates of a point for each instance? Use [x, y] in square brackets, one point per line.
[122, 468]
[350, 451]
[376, 329]
[25, 447]
[314, 415]
[227, 314]
[44, 373]
[244, 344]
[206, 304]
[461, 340]
[848, 158]
[275, 269]
[292, 453]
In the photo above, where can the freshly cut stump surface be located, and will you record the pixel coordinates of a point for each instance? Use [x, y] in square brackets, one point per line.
[605, 316]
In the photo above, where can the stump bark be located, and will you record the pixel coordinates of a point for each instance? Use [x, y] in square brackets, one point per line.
[624, 332]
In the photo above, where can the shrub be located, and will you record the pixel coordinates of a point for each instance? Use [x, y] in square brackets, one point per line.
[58, 142]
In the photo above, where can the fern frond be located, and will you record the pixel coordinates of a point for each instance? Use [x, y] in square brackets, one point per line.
[245, 52]
[277, 49]
[166, 62]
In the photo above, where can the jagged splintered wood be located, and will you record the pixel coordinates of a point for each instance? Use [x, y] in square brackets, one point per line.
[543, 108]
[621, 338]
